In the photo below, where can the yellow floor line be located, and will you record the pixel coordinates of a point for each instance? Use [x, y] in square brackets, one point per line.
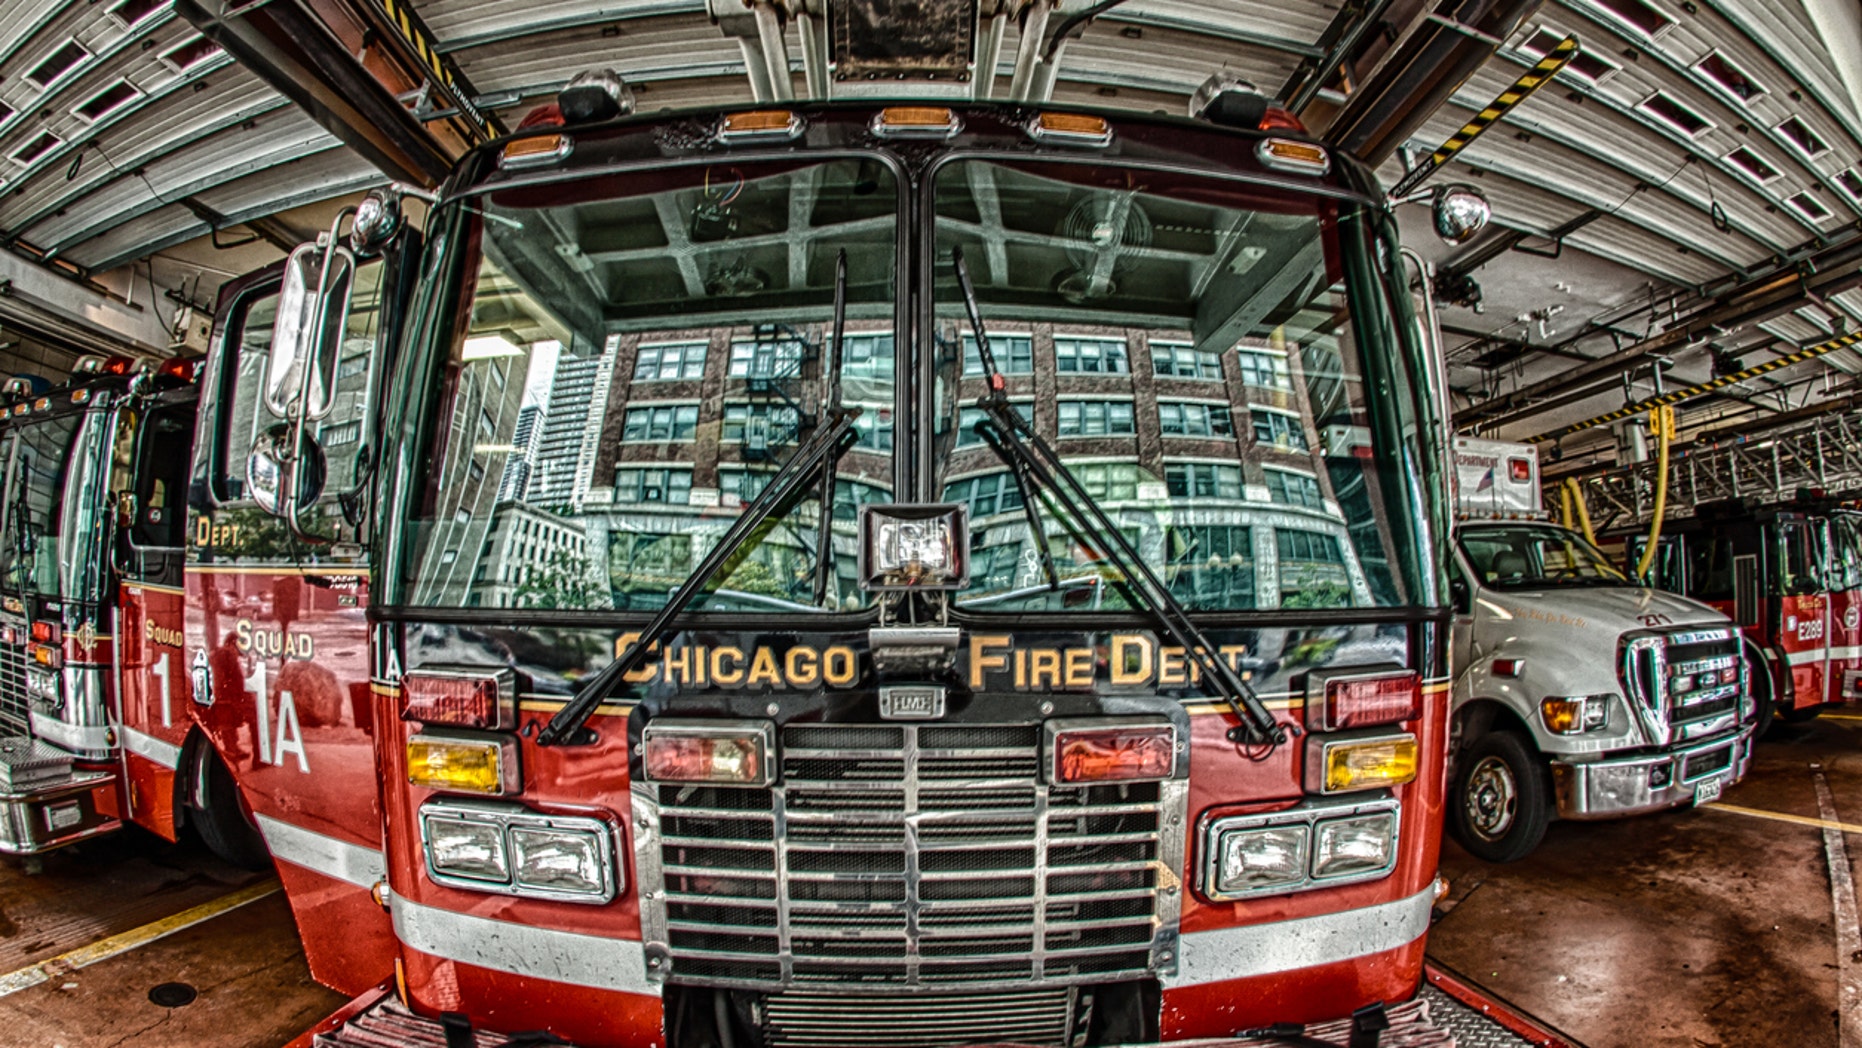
[1778, 816]
[104, 949]
[1839, 716]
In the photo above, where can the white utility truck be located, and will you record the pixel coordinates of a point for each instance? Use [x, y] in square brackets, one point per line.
[1577, 691]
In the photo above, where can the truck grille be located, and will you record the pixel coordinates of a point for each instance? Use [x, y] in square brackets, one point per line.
[827, 1020]
[1688, 683]
[15, 707]
[892, 856]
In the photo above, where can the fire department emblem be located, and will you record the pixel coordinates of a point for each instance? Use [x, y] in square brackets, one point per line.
[86, 636]
[1850, 615]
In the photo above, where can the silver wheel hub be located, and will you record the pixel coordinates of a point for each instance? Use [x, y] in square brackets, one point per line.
[1491, 799]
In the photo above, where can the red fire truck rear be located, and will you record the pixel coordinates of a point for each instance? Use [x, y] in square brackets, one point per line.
[846, 574]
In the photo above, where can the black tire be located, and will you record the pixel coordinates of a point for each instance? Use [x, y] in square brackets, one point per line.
[1799, 714]
[1766, 713]
[1501, 805]
[224, 824]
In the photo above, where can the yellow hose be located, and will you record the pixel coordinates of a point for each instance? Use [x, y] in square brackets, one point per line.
[1575, 496]
[1662, 422]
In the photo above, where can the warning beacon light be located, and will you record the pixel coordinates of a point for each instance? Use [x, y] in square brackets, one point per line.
[914, 546]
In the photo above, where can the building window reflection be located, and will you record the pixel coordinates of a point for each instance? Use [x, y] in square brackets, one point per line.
[1095, 418]
[1181, 360]
[661, 422]
[1186, 419]
[1281, 429]
[669, 362]
[1293, 489]
[1089, 356]
[1014, 354]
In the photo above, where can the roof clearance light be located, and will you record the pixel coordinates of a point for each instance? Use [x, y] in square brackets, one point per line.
[1342, 764]
[905, 546]
[725, 753]
[21, 408]
[535, 151]
[1096, 751]
[1071, 129]
[183, 368]
[118, 365]
[1366, 701]
[758, 126]
[79, 396]
[463, 763]
[1520, 469]
[917, 122]
[461, 698]
[42, 403]
[1300, 158]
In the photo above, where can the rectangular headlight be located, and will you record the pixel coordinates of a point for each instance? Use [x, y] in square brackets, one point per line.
[1319, 843]
[1253, 861]
[1355, 847]
[1345, 763]
[691, 749]
[508, 849]
[558, 859]
[907, 546]
[472, 849]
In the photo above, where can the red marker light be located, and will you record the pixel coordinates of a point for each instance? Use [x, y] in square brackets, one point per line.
[1141, 752]
[1359, 702]
[1278, 119]
[463, 700]
[722, 752]
[46, 632]
[1520, 468]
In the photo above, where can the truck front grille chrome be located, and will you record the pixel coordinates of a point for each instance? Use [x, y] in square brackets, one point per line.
[909, 856]
[1685, 685]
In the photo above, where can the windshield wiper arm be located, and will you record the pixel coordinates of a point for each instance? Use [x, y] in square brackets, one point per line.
[820, 451]
[830, 402]
[1025, 452]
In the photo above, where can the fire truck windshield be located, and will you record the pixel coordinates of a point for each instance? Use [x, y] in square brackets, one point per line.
[35, 453]
[1528, 556]
[636, 357]
[1222, 367]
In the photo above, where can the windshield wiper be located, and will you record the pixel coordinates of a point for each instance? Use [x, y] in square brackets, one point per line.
[830, 401]
[822, 449]
[1029, 456]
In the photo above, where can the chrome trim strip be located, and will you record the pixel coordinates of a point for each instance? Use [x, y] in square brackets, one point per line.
[321, 853]
[166, 754]
[599, 963]
[1283, 946]
[75, 738]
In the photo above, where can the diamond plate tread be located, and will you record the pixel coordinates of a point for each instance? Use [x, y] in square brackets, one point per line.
[1469, 1027]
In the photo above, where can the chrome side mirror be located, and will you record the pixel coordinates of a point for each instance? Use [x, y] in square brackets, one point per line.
[1460, 212]
[279, 480]
[313, 304]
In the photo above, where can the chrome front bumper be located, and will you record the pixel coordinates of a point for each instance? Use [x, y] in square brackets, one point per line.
[51, 815]
[1609, 788]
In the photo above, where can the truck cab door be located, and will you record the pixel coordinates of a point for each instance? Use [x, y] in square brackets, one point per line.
[1844, 584]
[1802, 607]
[148, 484]
[277, 637]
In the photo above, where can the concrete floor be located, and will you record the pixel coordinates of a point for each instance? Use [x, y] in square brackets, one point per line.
[1697, 928]
[1707, 928]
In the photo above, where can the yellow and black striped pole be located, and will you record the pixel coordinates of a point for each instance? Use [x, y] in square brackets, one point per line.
[1676, 396]
[416, 35]
[1555, 59]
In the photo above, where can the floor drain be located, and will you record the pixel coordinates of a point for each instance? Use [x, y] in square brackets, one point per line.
[173, 995]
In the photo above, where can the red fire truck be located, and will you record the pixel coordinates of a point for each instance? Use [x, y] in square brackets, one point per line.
[1790, 573]
[843, 574]
[94, 473]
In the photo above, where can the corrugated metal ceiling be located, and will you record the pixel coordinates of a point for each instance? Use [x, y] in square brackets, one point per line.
[124, 134]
